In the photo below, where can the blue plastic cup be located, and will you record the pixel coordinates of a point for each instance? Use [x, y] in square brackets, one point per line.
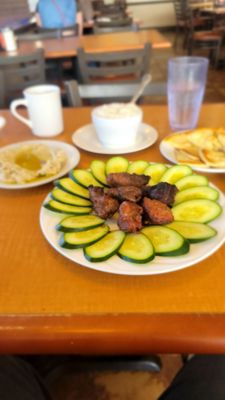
[185, 90]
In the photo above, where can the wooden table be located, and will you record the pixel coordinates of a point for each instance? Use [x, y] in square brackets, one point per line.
[67, 46]
[50, 304]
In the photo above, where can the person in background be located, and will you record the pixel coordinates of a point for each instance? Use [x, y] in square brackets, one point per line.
[59, 14]
[201, 378]
[87, 10]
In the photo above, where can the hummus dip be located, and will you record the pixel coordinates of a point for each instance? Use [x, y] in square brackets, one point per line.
[29, 162]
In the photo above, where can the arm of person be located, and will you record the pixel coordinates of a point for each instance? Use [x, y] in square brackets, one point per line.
[79, 21]
[38, 19]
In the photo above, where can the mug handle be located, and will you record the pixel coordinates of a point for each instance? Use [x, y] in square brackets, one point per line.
[13, 106]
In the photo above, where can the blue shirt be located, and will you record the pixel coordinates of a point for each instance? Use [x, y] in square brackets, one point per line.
[57, 13]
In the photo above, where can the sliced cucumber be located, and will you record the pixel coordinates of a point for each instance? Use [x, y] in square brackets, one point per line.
[136, 248]
[70, 186]
[166, 241]
[79, 223]
[84, 178]
[200, 192]
[155, 171]
[193, 231]
[59, 207]
[191, 181]
[105, 248]
[98, 170]
[78, 240]
[199, 210]
[68, 198]
[175, 173]
[137, 167]
[116, 164]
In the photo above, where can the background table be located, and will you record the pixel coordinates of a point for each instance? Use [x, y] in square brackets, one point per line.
[66, 47]
[50, 304]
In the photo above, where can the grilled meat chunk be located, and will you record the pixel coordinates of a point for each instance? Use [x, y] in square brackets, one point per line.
[163, 191]
[103, 205]
[157, 212]
[126, 179]
[130, 217]
[130, 193]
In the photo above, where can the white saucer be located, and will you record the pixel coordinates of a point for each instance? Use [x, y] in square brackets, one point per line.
[85, 138]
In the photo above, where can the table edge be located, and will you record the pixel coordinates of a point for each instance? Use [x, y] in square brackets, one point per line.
[112, 334]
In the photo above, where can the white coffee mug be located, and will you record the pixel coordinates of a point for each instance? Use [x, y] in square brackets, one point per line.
[44, 110]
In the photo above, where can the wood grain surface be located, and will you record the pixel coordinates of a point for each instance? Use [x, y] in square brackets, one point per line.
[67, 46]
[48, 303]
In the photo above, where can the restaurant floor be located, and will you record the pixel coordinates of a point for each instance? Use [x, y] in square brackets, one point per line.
[129, 385]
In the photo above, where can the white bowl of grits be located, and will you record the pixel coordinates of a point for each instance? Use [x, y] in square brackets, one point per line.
[116, 124]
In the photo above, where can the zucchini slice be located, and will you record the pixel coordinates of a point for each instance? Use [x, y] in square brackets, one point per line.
[83, 178]
[72, 187]
[192, 181]
[194, 232]
[79, 223]
[105, 248]
[98, 170]
[155, 171]
[166, 241]
[137, 167]
[78, 240]
[68, 198]
[199, 192]
[175, 173]
[136, 248]
[199, 210]
[59, 207]
[116, 164]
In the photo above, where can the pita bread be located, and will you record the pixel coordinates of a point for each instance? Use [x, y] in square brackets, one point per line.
[199, 147]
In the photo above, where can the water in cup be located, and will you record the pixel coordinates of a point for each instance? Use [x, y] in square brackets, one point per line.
[185, 90]
[185, 102]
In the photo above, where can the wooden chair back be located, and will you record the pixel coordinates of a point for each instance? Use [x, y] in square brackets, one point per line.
[116, 21]
[44, 33]
[102, 30]
[75, 92]
[22, 71]
[122, 66]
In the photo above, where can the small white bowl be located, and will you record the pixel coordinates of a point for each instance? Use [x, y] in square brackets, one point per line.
[117, 124]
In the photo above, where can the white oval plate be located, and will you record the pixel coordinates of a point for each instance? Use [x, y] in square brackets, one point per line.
[73, 158]
[115, 265]
[85, 138]
[168, 152]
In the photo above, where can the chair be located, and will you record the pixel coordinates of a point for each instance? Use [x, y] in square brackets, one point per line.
[75, 92]
[183, 12]
[209, 40]
[20, 72]
[122, 66]
[102, 30]
[44, 33]
[110, 22]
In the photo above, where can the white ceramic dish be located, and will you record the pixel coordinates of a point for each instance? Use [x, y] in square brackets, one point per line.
[2, 122]
[115, 265]
[117, 124]
[168, 152]
[73, 157]
[85, 138]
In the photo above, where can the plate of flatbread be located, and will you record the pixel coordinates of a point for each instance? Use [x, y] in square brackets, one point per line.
[203, 149]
